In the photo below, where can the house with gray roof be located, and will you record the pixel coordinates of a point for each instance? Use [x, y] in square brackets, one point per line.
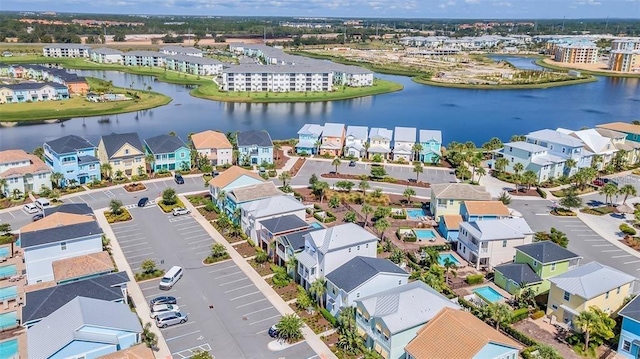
[181, 50]
[563, 145]
[486, 244]
[309, 138]
[356, 141]
[533, 157]
[106, 55]
[332, 142]
[74, 157]
[169, 153]
[380, 142]
[84, 327]
[329, 248]
[392, 318]
[254, 216]
[123, 152]
[359, 278]
[256, 147]
[404, 138]
[288, 246]
[42, 302]
[431, 146]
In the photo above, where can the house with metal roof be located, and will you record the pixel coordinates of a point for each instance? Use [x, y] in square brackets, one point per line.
[629, 343]
[39, 303]
[84, 328]
[332, 142]
[389, 320]
[66, 50]
[486, 244]
[379, 142]
[57, 236]
[23, 173]
[592, 284]
[169, 153]
[214, 146]
[356, 141]
[74, 157]
[619, 140]
[359, 278]
[404, 139]
[123, 152]
[242, 195]
[264, 219]
[461, 335]
[431, 146]
[533, 265]
[564, 146]
[309, 139]
[534, 158]
[255, 147]
[447, 198]
[594, 143]
[229, 179]
[329, 248]
[106, 55]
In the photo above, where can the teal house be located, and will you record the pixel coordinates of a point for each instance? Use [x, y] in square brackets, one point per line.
[169, 153]
[629, 345]
[431, 142]
[632, 131]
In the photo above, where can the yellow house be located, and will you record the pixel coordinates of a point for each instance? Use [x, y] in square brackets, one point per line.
[446, 198]
[124, 152]
[591, 284]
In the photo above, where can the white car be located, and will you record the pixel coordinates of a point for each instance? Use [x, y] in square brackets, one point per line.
[163, 308]
[30, 208]
[180, 211]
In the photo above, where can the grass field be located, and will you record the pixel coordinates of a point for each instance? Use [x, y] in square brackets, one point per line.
[211, 92]
[388, 69]
[422, 80]
[78, 106]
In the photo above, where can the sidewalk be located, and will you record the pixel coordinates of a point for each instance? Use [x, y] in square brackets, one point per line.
[133, 288]
[312, 339]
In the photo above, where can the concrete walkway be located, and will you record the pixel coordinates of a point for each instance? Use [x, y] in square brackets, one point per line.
[142, 307]
[312, 339]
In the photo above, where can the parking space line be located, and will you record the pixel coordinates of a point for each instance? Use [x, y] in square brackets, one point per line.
[124, 225]
[622, 256]
[157, 294]
[612, 250]
[221, 269]
[580, 230]
[183, 335]
[134, 245]
[209, 239]
[254, 302]
[118, 231]
[137, 255]
[594, 240]
[244, 295]
[264, 320]
[230, 274]
[176, 326]
[602, 245]
[203, 252]
[182, 224]
[244, 286]
[233, 281]
[631, 262]
[196, 235]
[148, 249]
[589, 235]
[258, 311]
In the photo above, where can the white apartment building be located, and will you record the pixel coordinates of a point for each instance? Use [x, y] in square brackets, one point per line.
[144, 58]
[105, 55]
[260, 78]
[66, 50]
[181, 50]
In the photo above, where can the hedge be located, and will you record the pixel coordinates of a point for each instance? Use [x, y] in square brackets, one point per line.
[521, 337]
[624, 228]
[474, 279]
[519, 314]
[330, 318]
[541, 192]
[537, 314]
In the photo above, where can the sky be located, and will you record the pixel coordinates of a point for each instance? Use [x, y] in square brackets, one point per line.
[451, 9]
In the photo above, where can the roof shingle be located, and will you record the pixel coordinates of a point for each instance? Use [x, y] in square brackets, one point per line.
[546, 252]
[231, 174]
[460, 191]
[359, 270]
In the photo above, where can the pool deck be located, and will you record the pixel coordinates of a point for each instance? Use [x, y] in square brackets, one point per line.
[469, 290]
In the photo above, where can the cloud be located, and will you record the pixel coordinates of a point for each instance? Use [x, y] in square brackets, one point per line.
[472, 1]
[447, 4]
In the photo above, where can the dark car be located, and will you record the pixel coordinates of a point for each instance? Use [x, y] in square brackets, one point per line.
[352, 163]
[143, 201]
[178, 178]
[215, 173]
[165, 299]
[273, 331]
[38, 217]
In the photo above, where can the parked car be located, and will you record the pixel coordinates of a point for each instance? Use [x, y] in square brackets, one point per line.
[180, 211]
[352, 163]
[273, 331]
[262, 170]
[598, 183]
[143, 201]
[38, 217]
[171, 318]
[163, 308]
[164, 299]
[215, 174]
[30, 208]
[178, 178]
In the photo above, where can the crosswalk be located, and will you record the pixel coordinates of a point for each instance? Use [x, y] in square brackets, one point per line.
[132, 206]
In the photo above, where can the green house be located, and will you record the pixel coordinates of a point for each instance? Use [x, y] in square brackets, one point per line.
[533, 264]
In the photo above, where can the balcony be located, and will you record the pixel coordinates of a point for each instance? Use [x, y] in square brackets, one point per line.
[373, 333]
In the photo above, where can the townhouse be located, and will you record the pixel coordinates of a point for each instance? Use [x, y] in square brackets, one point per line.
[309, 139]
[238, 196]
[214, 146]
[74, 157]
[23, 173]
[66, 50]
[630, 130]
[356, 141]
[73, 82]
[32, 92]
[619, 141]
[332, 142]
[106, 55]
[202, 66]
[629, 343]
[404, 139]
[379, 142]
[533, 158]
[563, 145]
[281, 208]
[143, 58]
[123, 152]
[288, 247]
[595, 143]
[255, 147]
[181, 50]
[229, 179]
[169, 153]
[431, 146]
[447, 198]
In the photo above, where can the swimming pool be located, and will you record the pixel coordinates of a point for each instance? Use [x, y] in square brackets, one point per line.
[316, 225]
[424, 234]
[8, 320]
[8, 293]
[9, 349]
[8, 271]
[443, 256]
[489, 294]
[415, 213]
[4, 252]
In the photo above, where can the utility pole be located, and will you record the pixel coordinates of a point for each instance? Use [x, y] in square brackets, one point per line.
[564, 17]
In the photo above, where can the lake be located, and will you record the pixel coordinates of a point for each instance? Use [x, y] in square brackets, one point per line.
[461, 114]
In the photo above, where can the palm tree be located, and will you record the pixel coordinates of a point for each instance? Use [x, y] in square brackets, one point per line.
[320, 188]
[119, 174]
[529, 178]
[501, 164]
[289, 328]
[480, 171]
[448, 264]
[3, 184]
[17, 194]
[475, 162]
[284, 177]
[499, 313]
[517, 168]
[316, 146]
[417, 148]
[317, 289]
[409, 192]
[349, 340]
[418, 169]
[364, 186]
[608, 191]
[586, 321]
[115, 206]
[56, 178]
[366, 210]
[334, 202]
[366, 149]
[628, 190]
[381, 225]
[596, 161]
[569, 164]
[336, 162]
[106, 169]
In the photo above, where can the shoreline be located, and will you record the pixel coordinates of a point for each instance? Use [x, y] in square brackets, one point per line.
[541, 62]
[540, 86]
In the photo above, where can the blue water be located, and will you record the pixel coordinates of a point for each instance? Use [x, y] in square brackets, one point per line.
[4, 252]
[8, 320]
[9, 348]
[7, 293]
[424, 234]
[8, 271]
[444, 256]
[316, 225]
[415, 213]
[488, 293]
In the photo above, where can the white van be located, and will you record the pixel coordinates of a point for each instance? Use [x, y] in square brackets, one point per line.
[170, 278]
[43, 203]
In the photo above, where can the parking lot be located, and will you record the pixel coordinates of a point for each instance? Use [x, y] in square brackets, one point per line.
[228, 315]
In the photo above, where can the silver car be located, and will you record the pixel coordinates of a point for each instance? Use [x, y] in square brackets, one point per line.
[180, 211]
[171, 318]
[163, 308]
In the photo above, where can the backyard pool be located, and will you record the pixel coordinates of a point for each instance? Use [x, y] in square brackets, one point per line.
[443, 256]
[8, 320]
[489, 294]
[8, 271]
[8, 293]
[4, 252]
[425, 234]
[9, 349]
[316, 225]
[415, 214]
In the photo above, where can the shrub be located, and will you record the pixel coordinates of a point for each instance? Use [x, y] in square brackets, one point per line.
[624, 228]
[517, 335]
[330, 318]
[537, 314]
[519, 314]
[542, 193]
[113, 218]
[280, 277]
[261, 257]
[211, 207]
[410, 239]
[166, 208]
[474, 279]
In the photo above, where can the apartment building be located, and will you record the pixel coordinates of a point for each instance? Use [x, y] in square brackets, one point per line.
[106, 55]
[143, 58]
[576, 53]
[260, 78]
[624, 60]
[32, 92]
[181, 50]
[66, 50]
[631, 43]
[196, 65]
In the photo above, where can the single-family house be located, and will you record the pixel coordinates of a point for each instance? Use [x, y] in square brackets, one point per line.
[359, 278]
[309, 139]
[84, 328]
[272, 228]
[534, 158]
[629, 343]
[618, 139]
[241, 195]
[592, 284]
[595, 143]
[169, 153]
[254, 213]
[379, 143]
[329, 248]
[74, 157]
[404, 140]
[630, 130]
[255, 147]
[431, 146]
[229, 179]
[390, 319]
[459, 334]
[57, 236]
[288, 246]
[214, 146]
[447, 198]
[449, 226]
[39, 303]
[106, 55]
[123, 152]
[82, 267]
[23, 173]
[332, 142]
[472, 211]
[489, 243]
[356, 141]
[564, 146]
[533, 265]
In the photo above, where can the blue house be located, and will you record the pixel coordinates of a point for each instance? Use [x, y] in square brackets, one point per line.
[472, 211]
[228, 180]
[309, 139]
[629, 345]
[255, 147]
[169, 152]
[84, 328]
[431, 142]
[449, 226]
[74, 157]
[564, 146]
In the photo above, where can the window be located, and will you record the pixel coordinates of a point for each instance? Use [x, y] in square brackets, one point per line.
[626, 345]
[126, 151]
[182, 155]
[358, 295]
[358, 248]
[313, 270]
[554, 306]
[618, 290]
[535, 263]
[567, 295]
[553, 267]
[63, 246]
[349, 250]
[400, 282]
[367, 246]
[606, 295]
[504, 244]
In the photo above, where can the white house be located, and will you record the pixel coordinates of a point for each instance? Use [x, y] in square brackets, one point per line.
[361, 277]
[404, 138]
[356, 140]
[533, 158]
[595, 143]
[23, 172]
[380, 142]
[229, 179]
[106, 55]
[254, 213]
[490, 243]
[329, 248]
[57, 236]
[562, 145]
[214, 146]
[66, 50]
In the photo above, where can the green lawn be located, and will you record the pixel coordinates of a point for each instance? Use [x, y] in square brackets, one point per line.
[78, 106]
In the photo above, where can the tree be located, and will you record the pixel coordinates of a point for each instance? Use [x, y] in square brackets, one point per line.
[480, 171]
[303, 300]
[345, 185]
[397, 256]
[382, 212]
[169, 197]
[493, 144]
[218, 250]
[569, 165]
[555, 236]
[289, 328]
[56, 179]
[17, 193]
[149, 338]
[148, 266]
[285, 176]
[504, 198]
[499, 313]
[517, 168]
[334, 202]
[366, 210]
[119, 174]
[381, 225]
[587, 321]
[313, 179]
[596, 161]
[364, 186]
[320, 189]
[378, 172]
[448, 265]
[119, 36]
[336, 162]
[317, 289]
[3, 184]
[476, 162]
[418, 169]
[416, 148]
[571, 199]
[619, 160]
[627, 190]
[115, 206]
[529, 178]
[608, 191]
[501, 164]
[350, 217]
[348, 339]
[201, 354]
[408, 193]
[546, 352]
